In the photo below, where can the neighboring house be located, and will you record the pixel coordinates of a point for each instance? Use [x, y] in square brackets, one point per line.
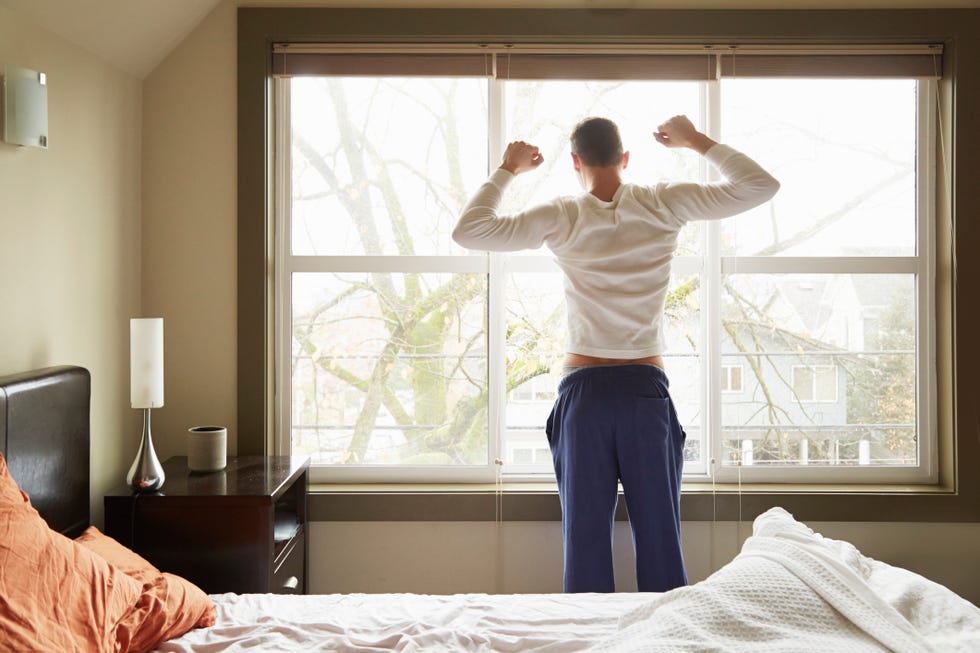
[799, 411]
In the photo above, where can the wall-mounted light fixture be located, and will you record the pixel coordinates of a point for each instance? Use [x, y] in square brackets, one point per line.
[25, 107]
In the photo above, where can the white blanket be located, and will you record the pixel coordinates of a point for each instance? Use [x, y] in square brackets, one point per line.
[789, 590]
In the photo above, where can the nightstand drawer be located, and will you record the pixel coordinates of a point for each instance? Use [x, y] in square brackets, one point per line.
[288, 577]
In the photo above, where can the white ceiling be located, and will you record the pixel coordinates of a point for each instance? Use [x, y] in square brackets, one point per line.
[136, 35]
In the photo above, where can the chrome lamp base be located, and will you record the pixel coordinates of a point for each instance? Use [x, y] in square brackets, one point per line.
[146, 473]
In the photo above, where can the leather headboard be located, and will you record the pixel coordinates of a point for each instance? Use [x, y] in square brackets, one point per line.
[44, 436]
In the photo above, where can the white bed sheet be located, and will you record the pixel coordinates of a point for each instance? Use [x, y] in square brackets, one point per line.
[363, 623]
[790, 590]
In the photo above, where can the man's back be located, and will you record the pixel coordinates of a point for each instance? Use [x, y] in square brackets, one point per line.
[616, 261]
[616, 255]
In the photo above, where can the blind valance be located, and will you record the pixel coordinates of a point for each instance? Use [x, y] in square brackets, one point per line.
[391, 64]
[696, 67]
[661, 62]
[920, 66]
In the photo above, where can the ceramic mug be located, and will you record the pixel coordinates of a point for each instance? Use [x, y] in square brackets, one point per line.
[207, 448]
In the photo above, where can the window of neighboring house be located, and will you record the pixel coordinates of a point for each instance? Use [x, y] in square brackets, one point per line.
[815, 383]
[530, 456]
[731, 378]
[409, 358]
[537, 389]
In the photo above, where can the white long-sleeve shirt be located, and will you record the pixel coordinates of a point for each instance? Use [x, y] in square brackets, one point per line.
[616, 255]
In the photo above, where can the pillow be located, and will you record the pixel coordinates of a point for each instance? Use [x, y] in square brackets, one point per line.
[169, 605]
[56, 595]
[127, 560]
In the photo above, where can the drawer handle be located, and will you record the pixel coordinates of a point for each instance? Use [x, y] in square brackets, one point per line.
[291, 583]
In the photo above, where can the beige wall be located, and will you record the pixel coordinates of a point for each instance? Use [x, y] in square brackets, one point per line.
[189, 163]
[70, 236]
[189, 226]
[519, 557]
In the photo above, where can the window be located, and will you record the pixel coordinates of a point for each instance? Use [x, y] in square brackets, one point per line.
[538, 389]
[815, 383]
[797, 331]
[731, 378]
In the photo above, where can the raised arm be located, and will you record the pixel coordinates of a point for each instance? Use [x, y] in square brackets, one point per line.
[746, 183]
[479, 226]
[520, 157]
[679, 131]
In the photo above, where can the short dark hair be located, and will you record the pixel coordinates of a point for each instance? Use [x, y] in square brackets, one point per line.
[597, 143]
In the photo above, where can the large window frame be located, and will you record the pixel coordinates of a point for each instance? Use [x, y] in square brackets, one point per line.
[955, 497]
[711, 267]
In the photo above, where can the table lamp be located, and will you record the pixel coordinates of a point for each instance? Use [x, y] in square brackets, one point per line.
[146, 392]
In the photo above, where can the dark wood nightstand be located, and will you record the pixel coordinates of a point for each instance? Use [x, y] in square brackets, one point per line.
[239, 530]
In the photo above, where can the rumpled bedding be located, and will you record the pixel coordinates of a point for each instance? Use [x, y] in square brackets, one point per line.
[370, 623]
[789, 590]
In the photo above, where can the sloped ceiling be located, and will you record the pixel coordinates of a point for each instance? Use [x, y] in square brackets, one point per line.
[136, 35]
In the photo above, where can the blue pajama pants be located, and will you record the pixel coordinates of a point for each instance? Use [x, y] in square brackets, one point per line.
[618, 424]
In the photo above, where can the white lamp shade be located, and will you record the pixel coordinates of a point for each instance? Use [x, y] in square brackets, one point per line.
[146, 362]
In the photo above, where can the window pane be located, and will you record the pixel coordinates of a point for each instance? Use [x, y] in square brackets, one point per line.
[735, 376]
[389, 368]
[535, 328]
[523, 456]
[545, 112]
[816, 383]
[803, 383]
[845, 154]
[825, 383]
[682, 362]
[384, 165]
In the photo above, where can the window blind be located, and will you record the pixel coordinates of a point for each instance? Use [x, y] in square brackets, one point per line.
[697, 67]
[922, 66]
[661, 62]
[404, 64]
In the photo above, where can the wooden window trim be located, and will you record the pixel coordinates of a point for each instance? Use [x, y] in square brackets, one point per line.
[956, 497]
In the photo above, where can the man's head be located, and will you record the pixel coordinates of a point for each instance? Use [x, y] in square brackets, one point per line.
[596, 143]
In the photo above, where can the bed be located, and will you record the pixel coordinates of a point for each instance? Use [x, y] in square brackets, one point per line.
[789, 589]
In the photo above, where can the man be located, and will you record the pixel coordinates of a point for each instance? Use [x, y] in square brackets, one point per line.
[613, 420]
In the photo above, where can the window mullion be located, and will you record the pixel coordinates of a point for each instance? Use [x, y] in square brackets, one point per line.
[821, 265]
[496, 299]
[396, 264]
[711, 359]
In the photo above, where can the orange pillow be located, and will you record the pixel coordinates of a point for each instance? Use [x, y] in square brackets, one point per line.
[56, 595]
[169, 605]
[130, 562]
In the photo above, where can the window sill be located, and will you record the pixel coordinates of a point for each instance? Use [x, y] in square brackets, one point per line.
[539, 502]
